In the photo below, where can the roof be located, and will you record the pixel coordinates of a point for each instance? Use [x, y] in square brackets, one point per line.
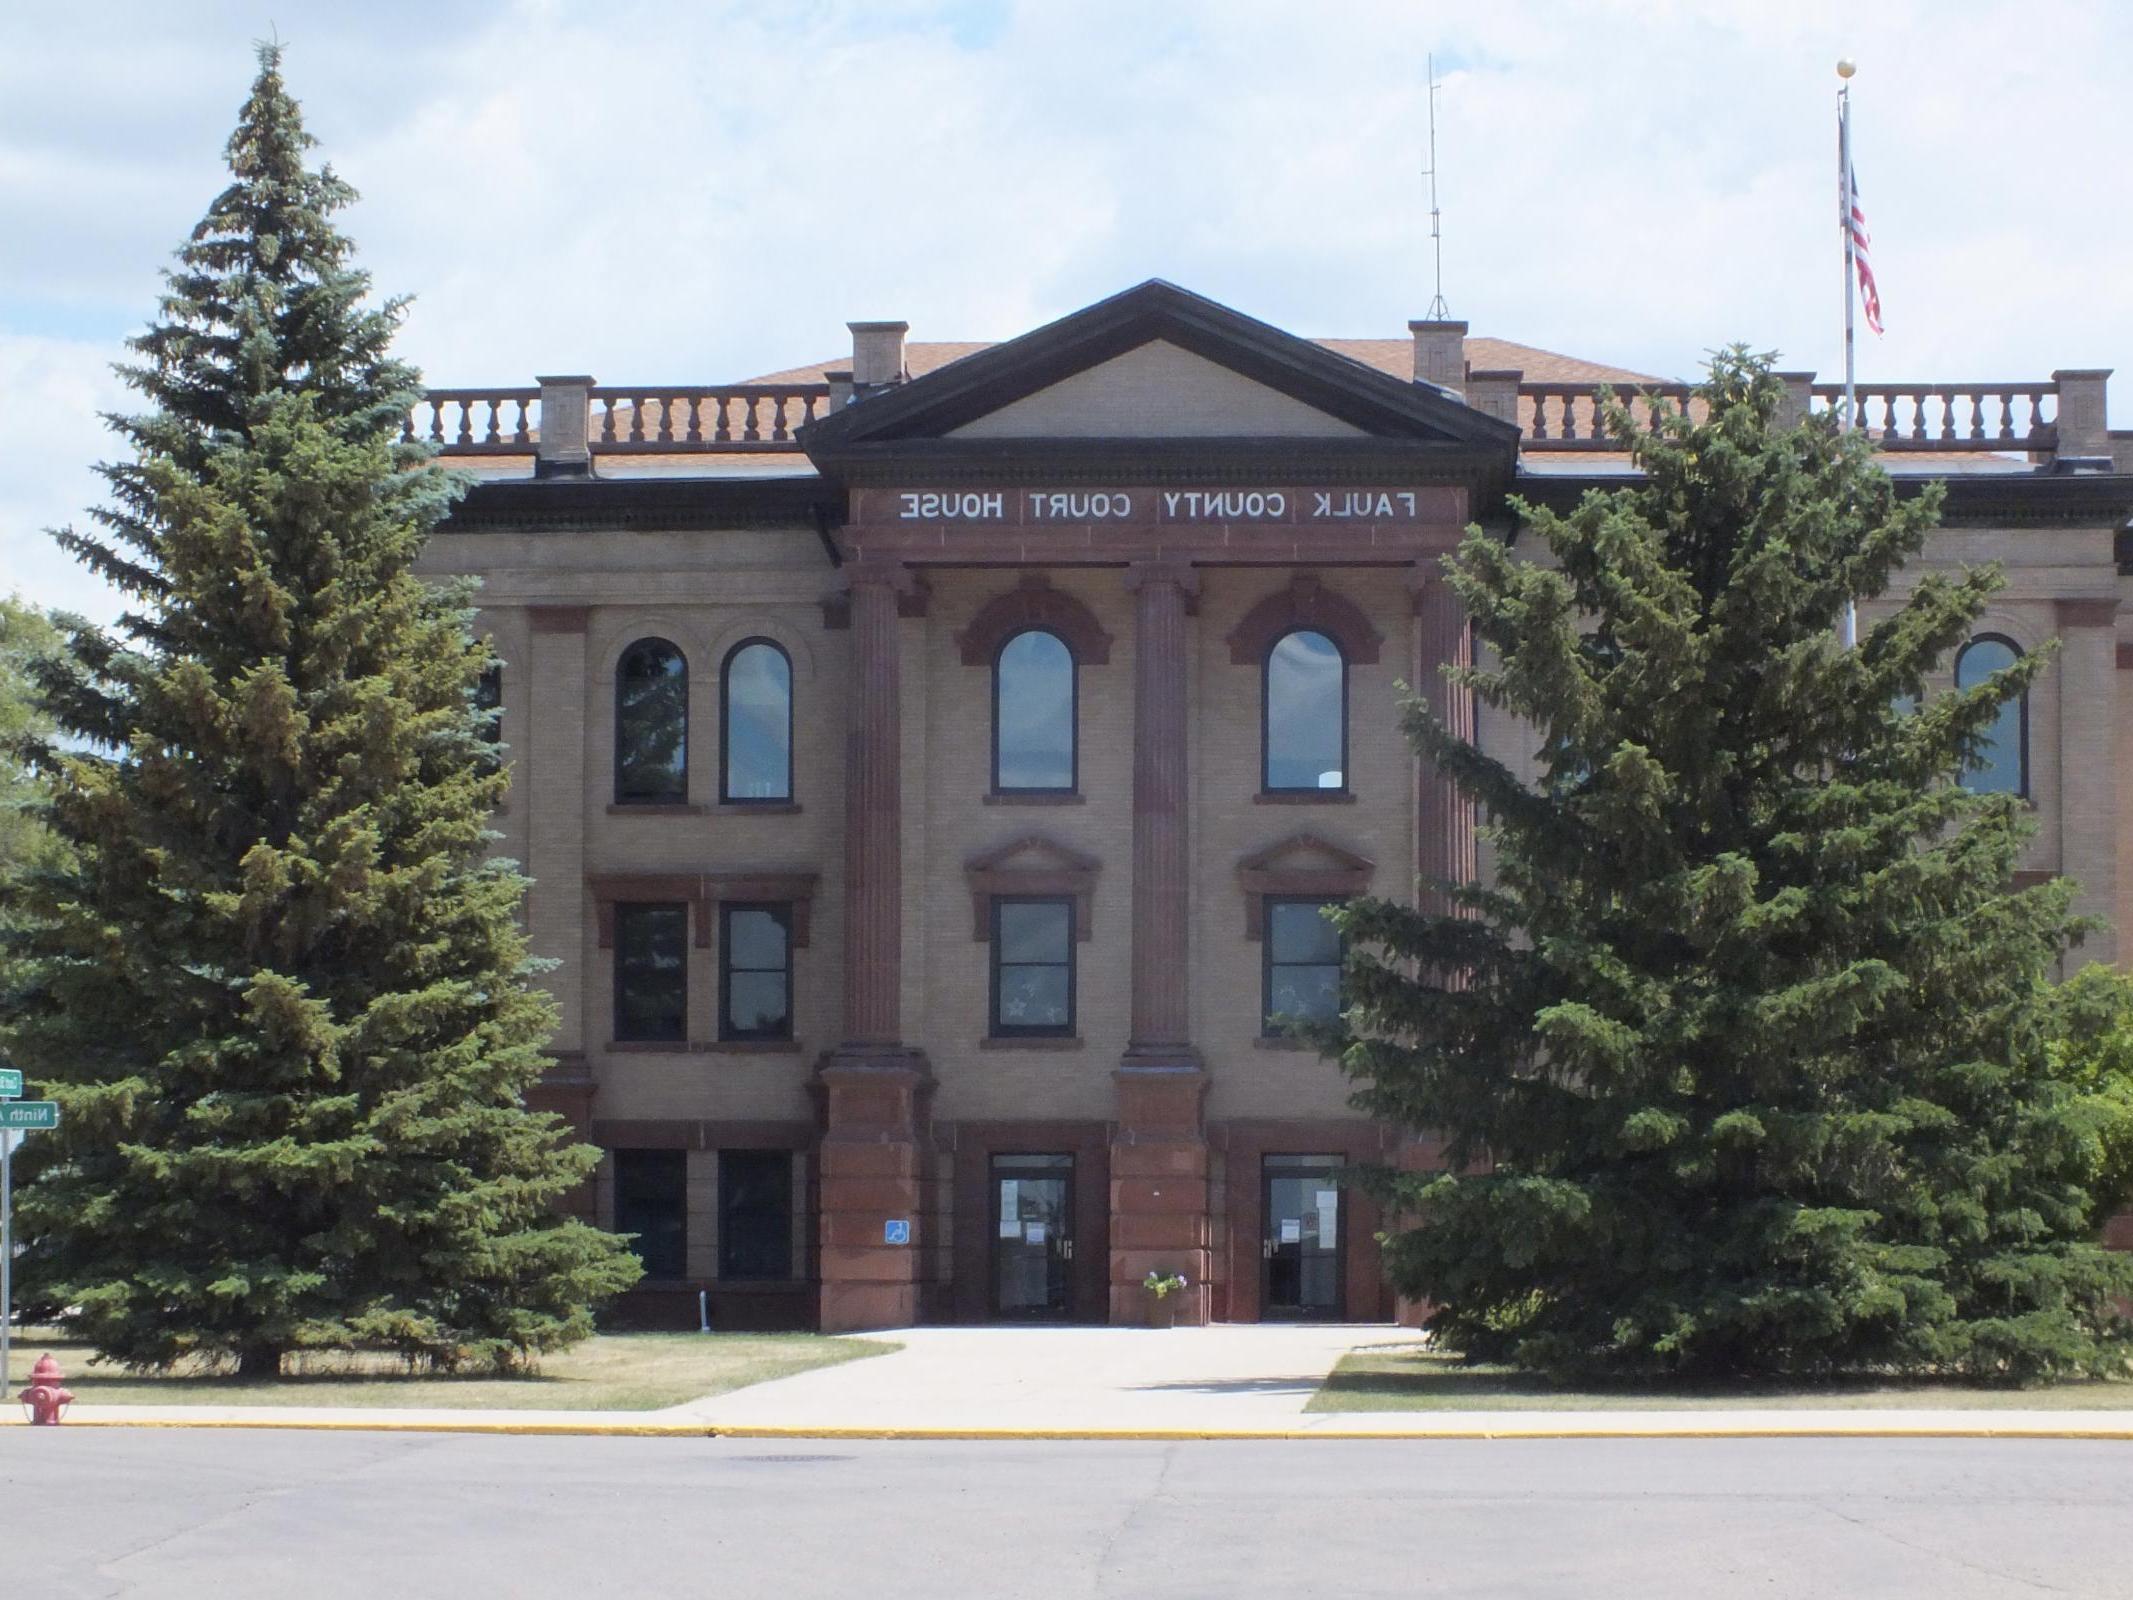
[1392, 356]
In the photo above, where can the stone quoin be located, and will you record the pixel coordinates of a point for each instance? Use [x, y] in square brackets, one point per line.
[943, 976]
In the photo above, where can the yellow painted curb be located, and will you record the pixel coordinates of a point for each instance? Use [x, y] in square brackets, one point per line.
[712, 1430]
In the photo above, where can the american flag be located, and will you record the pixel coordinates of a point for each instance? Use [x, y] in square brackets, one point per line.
[1853, 218]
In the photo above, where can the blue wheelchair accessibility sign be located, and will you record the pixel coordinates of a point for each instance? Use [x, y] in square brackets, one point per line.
[896, 1231]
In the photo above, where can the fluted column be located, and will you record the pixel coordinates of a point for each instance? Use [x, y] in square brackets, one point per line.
[1161, 1023]
[1445, 847]
[876, 1090]
[873, 815]
[1159, 1155]
[2088, 767]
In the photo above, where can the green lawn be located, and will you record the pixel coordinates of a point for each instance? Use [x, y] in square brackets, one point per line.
[610, 1372]
[1402, 1378]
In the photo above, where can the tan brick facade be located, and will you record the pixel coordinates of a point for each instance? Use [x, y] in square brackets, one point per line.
[901, 1114]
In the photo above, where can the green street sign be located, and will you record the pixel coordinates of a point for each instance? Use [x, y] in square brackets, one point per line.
[22, 1115]
[10, 1084]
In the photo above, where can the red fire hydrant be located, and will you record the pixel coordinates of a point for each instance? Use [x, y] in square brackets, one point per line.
[43, 1397]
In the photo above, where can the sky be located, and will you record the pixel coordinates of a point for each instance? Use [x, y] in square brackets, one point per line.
[698, 192]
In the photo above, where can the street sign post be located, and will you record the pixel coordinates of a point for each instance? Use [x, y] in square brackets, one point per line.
[10, 1083]
[15, 1116]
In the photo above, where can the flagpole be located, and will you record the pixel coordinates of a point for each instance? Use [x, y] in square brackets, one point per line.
[1845, 69]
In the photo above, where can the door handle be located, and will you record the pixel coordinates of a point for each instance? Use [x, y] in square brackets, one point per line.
[1066, 1249]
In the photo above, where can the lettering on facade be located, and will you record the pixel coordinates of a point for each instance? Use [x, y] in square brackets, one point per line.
[1176, 507]
[941, 506]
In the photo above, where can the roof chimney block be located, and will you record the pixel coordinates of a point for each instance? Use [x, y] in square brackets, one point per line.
[877, 353]
[1440, 353]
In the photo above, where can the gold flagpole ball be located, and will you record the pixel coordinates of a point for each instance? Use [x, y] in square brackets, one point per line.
[1846, 66]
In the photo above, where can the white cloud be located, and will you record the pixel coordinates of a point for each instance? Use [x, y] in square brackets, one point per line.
[670, 192]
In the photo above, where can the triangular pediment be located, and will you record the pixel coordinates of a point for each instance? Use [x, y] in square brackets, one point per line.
[1305, 852]
[1157, 364]
[1032, 852]
[1158, 390]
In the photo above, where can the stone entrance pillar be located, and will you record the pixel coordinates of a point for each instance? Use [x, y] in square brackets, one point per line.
[1159, 1167]
[875, 1089]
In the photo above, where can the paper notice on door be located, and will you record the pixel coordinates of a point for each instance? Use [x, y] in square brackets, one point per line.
[1329, 1215]
[1292, 1230]
[1033, 1233]
[1010, 1208]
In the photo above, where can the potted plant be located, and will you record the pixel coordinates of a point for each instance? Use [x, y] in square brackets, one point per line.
[1161, 1285]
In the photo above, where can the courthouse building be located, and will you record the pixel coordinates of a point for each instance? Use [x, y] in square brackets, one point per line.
[931, 765]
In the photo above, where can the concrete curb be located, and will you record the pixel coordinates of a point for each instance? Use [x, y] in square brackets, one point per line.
[716, 1430]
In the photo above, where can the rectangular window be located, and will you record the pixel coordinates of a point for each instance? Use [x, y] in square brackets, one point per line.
[652, 1202]
[754, 971]
[652, 972]
[489, 701]
[1032, 967]
[1303, 964]
[755, 1214]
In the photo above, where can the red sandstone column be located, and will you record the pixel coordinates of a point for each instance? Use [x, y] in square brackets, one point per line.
[1445, 846]
[1159, 1189]
[875, 1088]
[1444, 840]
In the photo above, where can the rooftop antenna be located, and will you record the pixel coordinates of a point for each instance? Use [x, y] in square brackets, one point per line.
[1438, 311]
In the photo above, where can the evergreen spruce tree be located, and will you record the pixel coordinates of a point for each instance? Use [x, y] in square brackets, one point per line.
[1743, 1058]
[281, 993]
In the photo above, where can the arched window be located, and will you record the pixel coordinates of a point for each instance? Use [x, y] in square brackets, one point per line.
[1033, 710]
[755, 725]
[652, 725]
[1306, 713]
[2002, 765]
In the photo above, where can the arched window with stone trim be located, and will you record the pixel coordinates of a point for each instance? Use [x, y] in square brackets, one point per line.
[755, 727]
[1034, 735]
[1304, 713]
[652, 724]
[2002, 762]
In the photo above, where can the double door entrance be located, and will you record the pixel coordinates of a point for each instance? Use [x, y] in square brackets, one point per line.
[1032, 1237]
[1301, 1207]
[1303, 1212]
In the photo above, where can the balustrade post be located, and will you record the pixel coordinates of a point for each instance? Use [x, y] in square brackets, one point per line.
[1440, 353]
[1799, 395]
[2083, 433]
[1494, 393]
[564, 450]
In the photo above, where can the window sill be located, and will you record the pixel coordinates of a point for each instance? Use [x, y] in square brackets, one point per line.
[1035, 798]
[761, 808]
[647, 808]
[1036, 1041]
[1304, 797]
[748, 1047]
[650, 1047]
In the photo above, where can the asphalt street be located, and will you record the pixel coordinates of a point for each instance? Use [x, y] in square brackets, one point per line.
[317, 1516]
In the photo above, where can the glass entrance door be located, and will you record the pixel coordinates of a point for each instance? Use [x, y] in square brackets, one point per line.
[1301, 1250]
[1033, 1237]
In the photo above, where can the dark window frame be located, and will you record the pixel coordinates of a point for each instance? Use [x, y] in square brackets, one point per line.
[1073, 785]
[2021, 788]
[678, 797]
[1268, 1028]
[727, 1234]
[1266, 722]
[1044, 1030]
[489, 701]
[663, 1158]
[726, 796]
[624, 911]
[782, 911]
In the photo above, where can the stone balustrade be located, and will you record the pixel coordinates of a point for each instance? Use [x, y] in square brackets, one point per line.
[689, 419]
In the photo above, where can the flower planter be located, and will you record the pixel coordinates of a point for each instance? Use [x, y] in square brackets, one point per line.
[1163, 1311]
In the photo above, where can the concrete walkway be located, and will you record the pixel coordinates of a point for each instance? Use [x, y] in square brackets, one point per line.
[1231, 1375]
[1228, 1381]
